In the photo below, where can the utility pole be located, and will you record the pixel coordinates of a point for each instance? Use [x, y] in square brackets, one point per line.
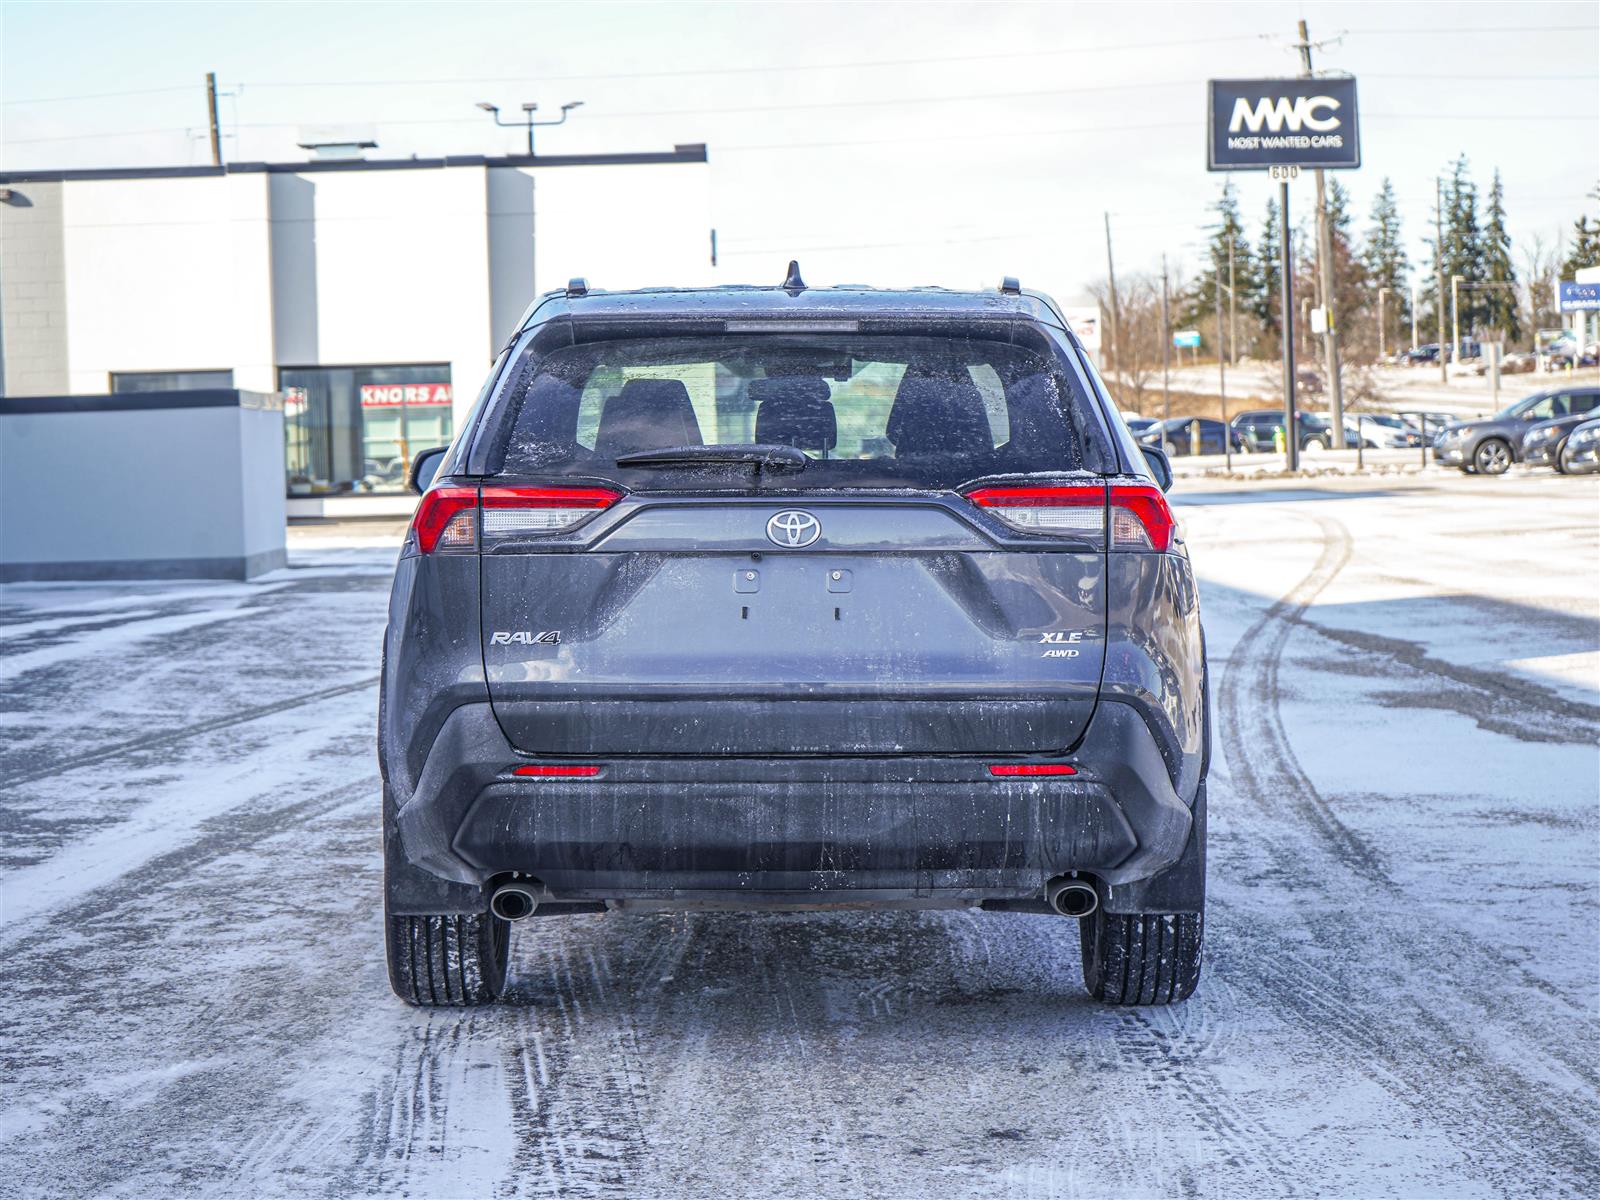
[1166, 353]
[1438, 266]
[1381, 293]
[1222, 370]
[1291, 432]
[1233, 309]
[211, 109]
[1325, 284]
[1111, 281]
[1414, 342]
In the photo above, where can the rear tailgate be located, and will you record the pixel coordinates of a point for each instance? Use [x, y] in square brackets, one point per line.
[682, 625]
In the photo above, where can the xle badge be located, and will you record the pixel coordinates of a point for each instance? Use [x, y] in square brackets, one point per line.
[1060, 638]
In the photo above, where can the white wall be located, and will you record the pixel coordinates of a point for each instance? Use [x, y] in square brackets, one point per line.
[194, 492]
[167, 275]
[401, 273]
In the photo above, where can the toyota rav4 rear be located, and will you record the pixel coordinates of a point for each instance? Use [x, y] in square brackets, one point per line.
[793, 598]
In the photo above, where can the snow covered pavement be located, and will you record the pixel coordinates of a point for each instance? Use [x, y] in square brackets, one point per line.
[1402, 993]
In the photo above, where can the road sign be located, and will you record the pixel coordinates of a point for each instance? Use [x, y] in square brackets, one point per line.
[1579, 297]
[1259, 124]
[1319, 320]
[1186, 339]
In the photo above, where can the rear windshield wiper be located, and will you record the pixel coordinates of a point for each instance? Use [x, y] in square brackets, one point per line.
[757, 454]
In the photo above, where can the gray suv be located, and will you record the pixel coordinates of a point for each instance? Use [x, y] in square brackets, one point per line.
[793, 598]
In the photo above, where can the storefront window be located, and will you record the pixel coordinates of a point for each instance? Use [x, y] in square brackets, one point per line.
[356, 429]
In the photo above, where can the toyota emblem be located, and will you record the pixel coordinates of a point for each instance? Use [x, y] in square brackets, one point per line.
[793, 528]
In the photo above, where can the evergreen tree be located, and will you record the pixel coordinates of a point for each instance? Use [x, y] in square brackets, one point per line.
[1383, 254]
[1585, 251]
[1463, 250]
[1264, 296]
[1197, 308]
[1500, 300]
[1352, 297]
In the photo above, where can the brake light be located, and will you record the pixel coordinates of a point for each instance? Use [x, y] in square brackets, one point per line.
[447, 517]
[1141, 519]
[1077, 509]
[515, 511]
[444, 521]
[542, 771]
[1004, 769]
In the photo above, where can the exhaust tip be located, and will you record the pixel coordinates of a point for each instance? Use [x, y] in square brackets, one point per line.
[513, 902]
[1072, 897]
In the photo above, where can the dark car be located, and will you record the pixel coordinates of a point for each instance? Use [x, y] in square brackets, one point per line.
[1491, 445]
[1543, 444]
[1191, 435]
[1259, 429]
[1137, 425]
[1421, 354]
[1580, 455]
[789, 598]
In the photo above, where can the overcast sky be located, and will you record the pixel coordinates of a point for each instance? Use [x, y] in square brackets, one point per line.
[880, 143]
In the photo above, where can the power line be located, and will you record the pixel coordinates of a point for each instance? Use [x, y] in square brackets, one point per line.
[97, 95]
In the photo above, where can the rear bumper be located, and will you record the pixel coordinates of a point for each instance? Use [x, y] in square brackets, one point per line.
[755, 831]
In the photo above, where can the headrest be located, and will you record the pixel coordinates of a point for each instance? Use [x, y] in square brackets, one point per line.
[646, 414]
[939, 415]
[795, 411]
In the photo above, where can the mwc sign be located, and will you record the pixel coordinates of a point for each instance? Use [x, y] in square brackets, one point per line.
[1258, 124]
[408, 395]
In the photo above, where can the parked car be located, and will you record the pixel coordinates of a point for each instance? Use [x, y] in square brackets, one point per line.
[1581, 453]
[813, 641]
[1177, 436]
[1544, 442]
[1258, 428]
[1421, 355]
[1137, 425]
[1489, 447]
[1381, 430]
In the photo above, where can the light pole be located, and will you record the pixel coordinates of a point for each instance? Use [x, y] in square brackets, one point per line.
[1413, 314]
[1382, 292]
[528, 109]
[1455, 320]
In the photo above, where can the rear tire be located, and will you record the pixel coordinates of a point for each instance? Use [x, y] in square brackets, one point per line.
[448, 961]
[1141, 958]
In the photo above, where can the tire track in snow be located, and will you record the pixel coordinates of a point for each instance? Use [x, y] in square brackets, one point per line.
[121, 749]
[1392, 1037]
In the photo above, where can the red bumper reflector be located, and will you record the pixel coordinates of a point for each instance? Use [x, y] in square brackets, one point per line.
[1032, 769]
[548, 772]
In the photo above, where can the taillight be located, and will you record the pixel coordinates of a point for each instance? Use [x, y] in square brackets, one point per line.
[447, 517]
[1008, 769]
[1077, 509]
[1140, 518]
[510, 512]
[445, 521]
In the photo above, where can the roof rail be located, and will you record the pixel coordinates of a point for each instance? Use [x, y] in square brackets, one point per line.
[577, 286]
[1010, 287]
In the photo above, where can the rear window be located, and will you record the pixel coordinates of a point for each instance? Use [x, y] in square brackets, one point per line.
[866, 410]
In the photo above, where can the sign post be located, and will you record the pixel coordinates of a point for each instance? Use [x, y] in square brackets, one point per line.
[1280, 126]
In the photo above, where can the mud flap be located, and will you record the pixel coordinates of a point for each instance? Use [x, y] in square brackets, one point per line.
[1180, 888]
[409, 891]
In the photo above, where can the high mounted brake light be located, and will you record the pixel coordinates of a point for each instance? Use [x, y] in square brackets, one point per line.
[1074, 509]
[447, 517]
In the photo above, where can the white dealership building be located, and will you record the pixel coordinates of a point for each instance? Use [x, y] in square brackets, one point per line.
[372, 294]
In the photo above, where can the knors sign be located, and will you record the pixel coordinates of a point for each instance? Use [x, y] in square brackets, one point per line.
[1257, 124]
